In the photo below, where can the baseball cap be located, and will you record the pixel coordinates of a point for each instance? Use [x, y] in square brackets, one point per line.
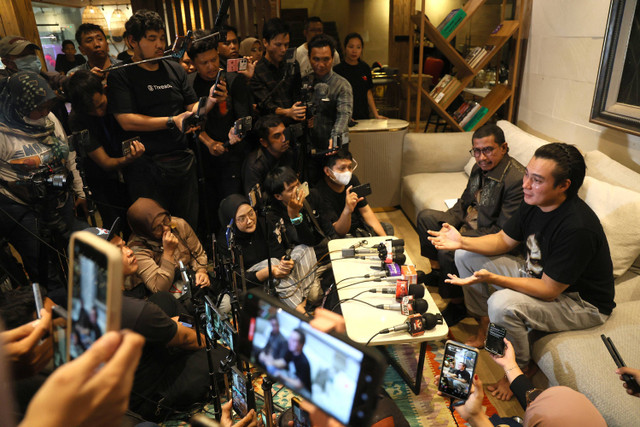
[14, 45]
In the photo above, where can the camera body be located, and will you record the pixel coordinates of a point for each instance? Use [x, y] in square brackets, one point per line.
[43, 183]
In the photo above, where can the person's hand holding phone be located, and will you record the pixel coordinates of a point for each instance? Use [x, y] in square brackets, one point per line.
[233, 137]
[471, 409]
[283, 269]
[24, 349]
[508, 361]
[295, 203]
[219, 92]
[136, 151]
[82, 392]
[180, 118]
[351, 200]
[250, 420]
[202, 278]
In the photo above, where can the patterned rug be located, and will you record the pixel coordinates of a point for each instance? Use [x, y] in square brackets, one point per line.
[425, 409]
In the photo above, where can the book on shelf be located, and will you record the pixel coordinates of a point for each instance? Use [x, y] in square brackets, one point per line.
[451, 22]
[475, 119]
[482, 54]
[451, 90]
[472, 54]
[469, 115]
[462, 110]
[441, 84]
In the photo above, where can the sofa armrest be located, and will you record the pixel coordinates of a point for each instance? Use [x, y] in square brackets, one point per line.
[435, 152]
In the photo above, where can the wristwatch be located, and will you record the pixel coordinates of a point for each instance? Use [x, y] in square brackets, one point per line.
[297, 220]
[170, 123]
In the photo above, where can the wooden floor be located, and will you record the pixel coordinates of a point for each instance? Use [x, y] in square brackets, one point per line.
[488, 371]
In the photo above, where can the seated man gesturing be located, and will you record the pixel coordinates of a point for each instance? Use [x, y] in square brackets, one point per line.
[566, 280]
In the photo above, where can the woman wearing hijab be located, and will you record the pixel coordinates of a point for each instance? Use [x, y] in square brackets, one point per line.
[251, 47]
[295, 273]
[33, 150]
[159, 242]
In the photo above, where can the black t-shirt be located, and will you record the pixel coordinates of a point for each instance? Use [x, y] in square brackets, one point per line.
[462, 374]
[567, 244]
[301, 366]
[359, 76]
[332, 204]
[161, 93]
[63, 65]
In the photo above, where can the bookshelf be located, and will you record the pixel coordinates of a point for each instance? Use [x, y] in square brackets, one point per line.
[465, 69]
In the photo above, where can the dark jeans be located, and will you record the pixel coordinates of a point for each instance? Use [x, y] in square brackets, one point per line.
[22, 227]
[430, 219]
[175, 190]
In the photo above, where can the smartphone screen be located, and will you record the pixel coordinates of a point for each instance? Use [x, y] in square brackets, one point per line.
[301, 417]
[217, 327]
[241, 393]
[95, 292]
[494, 343]
[330, 372]
[458, 368]
[89, 298]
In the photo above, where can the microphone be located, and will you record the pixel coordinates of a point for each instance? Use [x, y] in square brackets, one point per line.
[352, 252]
[408, 306]
[416, 324]
[401, 290]
[185, 277]
[393, 243]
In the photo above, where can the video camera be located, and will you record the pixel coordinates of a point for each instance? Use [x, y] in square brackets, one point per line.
[43, 183]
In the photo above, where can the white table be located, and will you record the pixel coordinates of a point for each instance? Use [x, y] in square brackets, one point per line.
[363, 321]
[377, 146]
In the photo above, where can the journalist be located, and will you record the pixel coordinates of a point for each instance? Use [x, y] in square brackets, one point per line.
[37, 191]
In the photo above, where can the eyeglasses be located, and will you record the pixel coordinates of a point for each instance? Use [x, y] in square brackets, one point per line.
[166, 221]
[475, 152]
[242, 219]
[349, 168]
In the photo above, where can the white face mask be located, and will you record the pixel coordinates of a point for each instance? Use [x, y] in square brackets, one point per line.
[41, 122]
[342, 178]
[29, 63]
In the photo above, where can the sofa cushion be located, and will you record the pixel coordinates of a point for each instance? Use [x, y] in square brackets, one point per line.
[429, 190]
[579, 359]
[604, 168]
[522, 145]
[619, 213]
[628, 287]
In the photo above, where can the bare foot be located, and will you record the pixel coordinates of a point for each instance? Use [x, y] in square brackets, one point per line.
[501, 389]
[476, 341]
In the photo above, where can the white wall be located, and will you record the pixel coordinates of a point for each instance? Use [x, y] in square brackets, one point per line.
[561, 67]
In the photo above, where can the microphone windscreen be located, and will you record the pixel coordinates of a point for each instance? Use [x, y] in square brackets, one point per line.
[420, 305]
[397, 242]
[416, 290]
[321, 89]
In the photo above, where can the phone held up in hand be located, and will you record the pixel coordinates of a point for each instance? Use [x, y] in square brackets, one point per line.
[458, 368]
[494, 342]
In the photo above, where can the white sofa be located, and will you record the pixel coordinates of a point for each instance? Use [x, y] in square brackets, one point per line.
[435, 167]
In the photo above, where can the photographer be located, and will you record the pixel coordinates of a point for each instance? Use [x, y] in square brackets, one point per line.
[102, 155]
[276, 82]
[152, 100]
[329, 106]
[36, 167]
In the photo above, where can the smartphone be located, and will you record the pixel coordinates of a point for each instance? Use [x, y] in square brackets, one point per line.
[233, 65]
[186, 320]
[458, 368]
[242, 396]
[217, 327]
[221, 75]
[37, 296]
[301, 417]
[494, 343]
[280, 342]
[362, 190]
[304, 188]
[95, 291]
[181, 45]
[126, 145]
[59, 335]
[197, 118]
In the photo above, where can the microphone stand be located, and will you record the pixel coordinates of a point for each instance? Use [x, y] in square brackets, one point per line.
[198, 315]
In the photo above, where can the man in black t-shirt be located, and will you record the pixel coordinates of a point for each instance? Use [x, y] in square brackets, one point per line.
[566, 280]
[348, 213]
[293, 368]
[152, 100]
[275, 150]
